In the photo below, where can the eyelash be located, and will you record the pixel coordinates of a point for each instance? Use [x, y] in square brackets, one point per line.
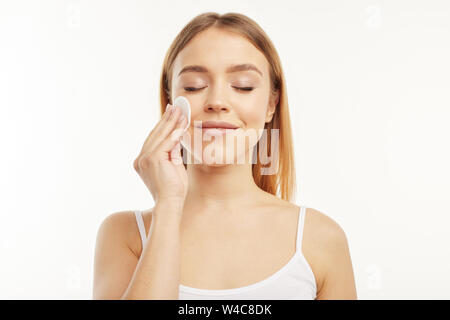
[191, 89]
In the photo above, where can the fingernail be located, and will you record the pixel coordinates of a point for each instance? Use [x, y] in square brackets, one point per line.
[181, 118]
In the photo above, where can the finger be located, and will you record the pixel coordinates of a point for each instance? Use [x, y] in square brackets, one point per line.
[168, 126]
[179, 164]
[169, 143]
[175, 154]
[150, 143]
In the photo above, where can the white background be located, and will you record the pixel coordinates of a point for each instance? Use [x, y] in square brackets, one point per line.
[368, 86]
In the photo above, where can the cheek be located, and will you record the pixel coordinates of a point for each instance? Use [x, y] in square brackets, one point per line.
[253, 114]
[250, 110]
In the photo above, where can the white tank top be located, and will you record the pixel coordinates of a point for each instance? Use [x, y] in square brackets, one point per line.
[294, 281]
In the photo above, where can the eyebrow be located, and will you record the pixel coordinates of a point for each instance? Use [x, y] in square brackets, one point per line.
[233, 68]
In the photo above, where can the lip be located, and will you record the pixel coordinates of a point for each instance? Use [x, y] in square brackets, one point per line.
[217, 131]
[220, 125]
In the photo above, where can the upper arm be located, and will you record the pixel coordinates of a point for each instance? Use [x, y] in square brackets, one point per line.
[114, 261]
[338, 281]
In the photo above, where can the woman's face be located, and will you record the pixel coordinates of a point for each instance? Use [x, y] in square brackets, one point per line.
[220, 88]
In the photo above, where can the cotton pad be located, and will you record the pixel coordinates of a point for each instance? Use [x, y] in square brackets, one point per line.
[183, 104]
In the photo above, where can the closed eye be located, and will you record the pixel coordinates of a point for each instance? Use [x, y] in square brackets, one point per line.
[244, 88]
[191, 89]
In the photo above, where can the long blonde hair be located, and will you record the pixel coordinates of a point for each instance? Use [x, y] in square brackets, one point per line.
[283, 181]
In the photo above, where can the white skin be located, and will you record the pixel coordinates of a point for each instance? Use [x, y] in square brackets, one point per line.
[217, 186]
[232, 233]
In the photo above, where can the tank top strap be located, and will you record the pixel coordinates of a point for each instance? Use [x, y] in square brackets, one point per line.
[141, 226]
[301, 223]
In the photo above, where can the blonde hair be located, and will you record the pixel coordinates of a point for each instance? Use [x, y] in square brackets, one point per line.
[283, 181]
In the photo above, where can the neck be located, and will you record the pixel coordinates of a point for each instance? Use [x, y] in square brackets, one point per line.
[221, 187]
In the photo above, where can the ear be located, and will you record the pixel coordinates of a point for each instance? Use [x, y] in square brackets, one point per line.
[273, 102]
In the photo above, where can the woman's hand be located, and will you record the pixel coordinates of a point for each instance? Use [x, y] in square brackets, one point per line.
[160, 164]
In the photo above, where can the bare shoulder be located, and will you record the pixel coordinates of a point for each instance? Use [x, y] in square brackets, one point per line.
[113, 225]
[325, 231]
[116, 255]
[325, 246]
[121, 227]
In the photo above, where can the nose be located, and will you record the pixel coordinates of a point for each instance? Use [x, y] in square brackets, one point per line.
[216, 107]
[216, 102]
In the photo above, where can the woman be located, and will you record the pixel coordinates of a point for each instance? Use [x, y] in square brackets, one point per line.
[218, 230]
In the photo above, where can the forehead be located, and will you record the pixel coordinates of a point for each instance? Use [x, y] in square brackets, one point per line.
[216, 49]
